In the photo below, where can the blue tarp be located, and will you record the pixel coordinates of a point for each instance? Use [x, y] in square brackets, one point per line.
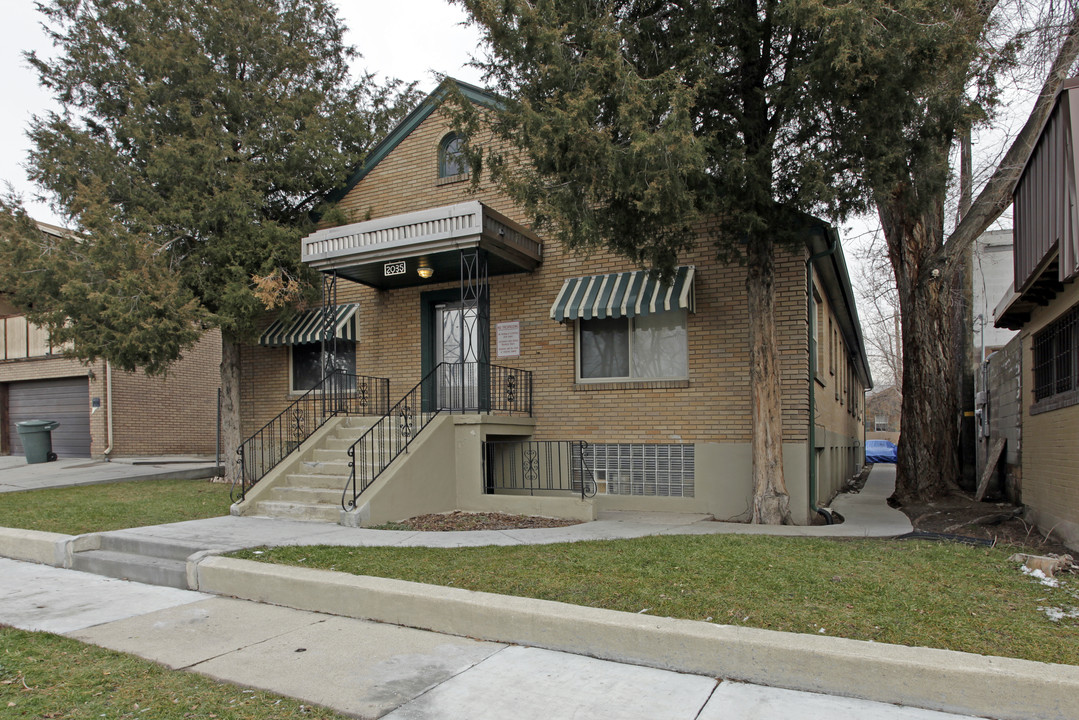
[880, 451]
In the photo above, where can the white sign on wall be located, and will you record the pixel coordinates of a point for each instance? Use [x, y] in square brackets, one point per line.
[508, 339]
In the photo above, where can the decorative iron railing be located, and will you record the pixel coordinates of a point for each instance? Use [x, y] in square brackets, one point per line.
[338, 393]
[447, 388]
[537, 467]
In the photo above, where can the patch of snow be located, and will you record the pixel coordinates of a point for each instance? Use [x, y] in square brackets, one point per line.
[1040, 576]
[1057, 614]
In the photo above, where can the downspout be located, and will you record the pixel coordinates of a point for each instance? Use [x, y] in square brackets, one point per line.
[108, 405]
[811, 311]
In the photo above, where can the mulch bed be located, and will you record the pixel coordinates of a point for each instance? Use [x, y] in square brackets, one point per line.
[457, 520]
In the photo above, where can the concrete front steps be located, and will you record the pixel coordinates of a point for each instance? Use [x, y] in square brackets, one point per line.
[144, 560]
[313, 488]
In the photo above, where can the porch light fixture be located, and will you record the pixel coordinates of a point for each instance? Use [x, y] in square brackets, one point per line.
[425, 270]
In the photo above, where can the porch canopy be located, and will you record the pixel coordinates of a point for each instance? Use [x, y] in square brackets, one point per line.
[307, 327]
[392, 252]
[622, 295]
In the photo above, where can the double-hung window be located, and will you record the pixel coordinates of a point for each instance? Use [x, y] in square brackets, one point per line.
[645, 347]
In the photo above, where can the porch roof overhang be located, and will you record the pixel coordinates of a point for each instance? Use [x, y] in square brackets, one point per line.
[307, 327]
[625, 294]
[386, 252]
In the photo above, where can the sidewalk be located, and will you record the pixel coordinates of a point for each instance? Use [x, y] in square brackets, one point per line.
[374, 645]
[16, 474]
[371, 669]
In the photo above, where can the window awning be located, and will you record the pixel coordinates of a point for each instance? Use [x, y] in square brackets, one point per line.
[307, 327]
[622, 295]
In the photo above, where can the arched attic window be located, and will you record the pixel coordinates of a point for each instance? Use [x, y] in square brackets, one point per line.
[451, 157]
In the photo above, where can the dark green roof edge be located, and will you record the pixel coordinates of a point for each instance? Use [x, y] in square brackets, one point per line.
[413, 120]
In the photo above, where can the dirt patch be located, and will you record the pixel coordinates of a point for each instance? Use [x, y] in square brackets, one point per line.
[998, 523]
[457, 521]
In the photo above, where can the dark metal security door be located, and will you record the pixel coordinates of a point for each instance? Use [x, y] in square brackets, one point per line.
[456, 346]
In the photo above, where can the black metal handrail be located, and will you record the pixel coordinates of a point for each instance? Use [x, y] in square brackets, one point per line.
[544, 466]
[339, 393]
[449, 388]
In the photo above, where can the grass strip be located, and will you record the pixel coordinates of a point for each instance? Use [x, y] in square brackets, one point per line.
[939, 595]
[113, 506]
[48, 676]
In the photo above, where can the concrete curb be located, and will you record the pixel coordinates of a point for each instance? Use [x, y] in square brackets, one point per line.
[956, 682]
[46, 548]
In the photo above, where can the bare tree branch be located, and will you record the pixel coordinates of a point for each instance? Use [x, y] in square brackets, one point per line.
[996, 196]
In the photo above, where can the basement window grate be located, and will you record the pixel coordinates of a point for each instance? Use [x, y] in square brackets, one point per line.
[644, 469]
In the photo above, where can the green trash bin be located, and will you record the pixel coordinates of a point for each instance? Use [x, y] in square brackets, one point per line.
[36, 438]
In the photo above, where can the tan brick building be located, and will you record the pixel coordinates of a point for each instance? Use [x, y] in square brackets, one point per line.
[105, 412]
[1043, 304]
[654, 378]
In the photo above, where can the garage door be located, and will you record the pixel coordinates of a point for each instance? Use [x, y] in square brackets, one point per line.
[66, 401]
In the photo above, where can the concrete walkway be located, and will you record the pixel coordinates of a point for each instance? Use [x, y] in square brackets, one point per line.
[866, 515]
[370, 669]
[17, 474]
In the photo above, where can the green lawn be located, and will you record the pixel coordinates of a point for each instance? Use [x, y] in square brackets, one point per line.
[938, 595]
[48, 676]
[113, 506]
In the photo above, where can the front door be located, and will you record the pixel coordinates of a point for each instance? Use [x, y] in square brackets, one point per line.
[457, 348]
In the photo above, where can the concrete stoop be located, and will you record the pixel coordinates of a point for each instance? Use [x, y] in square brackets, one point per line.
[125, 557]
[313, 487]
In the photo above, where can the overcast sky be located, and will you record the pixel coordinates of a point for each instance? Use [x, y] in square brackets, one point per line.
[408, 39]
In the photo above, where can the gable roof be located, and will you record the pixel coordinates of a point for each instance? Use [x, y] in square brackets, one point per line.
[412, 121]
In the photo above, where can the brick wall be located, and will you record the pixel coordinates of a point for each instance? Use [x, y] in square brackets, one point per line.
[1050, 455]
[713, 405]
[171, 415]
[840, 405]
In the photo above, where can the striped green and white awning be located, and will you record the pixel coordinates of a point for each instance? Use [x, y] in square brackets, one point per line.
[622, 295]
[307, 327]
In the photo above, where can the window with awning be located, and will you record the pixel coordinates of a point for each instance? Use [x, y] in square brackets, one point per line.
[629, 326]
[308, 361]
[307, 327]
[626, 294]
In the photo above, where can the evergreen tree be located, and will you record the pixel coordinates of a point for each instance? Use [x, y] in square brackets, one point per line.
[640, 117]
[639, 120]
[195, 142]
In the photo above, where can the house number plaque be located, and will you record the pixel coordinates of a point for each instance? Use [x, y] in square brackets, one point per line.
[394, 268]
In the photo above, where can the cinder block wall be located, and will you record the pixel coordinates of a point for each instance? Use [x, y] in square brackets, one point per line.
[1005, 415]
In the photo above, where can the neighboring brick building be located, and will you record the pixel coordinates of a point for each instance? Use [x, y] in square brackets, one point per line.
[657, 381]
[883, 414]
[1044, 307]
[171, 415]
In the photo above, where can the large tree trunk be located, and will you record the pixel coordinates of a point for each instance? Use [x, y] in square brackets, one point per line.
[929, 441]
[771, 503]
[230, 406]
